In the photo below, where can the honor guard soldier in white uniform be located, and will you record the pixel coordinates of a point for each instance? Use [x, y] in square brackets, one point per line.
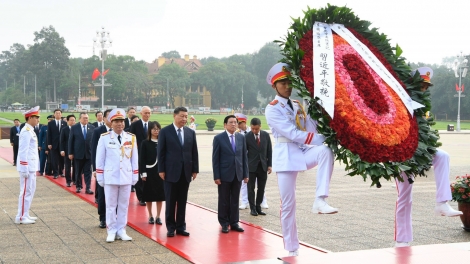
[117, 169]
[28, 161]
[298, 147]
[243, 129]
[441, 163]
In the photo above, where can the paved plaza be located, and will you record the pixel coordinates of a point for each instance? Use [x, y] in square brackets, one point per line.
[67, 229]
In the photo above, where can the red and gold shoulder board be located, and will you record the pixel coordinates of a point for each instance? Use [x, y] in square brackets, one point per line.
[296, 101]
[274, 102]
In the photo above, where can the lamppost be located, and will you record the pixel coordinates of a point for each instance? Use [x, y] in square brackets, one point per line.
[103, 41]
[460, 69]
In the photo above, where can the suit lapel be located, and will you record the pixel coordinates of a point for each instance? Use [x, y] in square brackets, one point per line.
[227, 140]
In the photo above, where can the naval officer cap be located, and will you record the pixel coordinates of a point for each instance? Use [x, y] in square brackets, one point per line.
[116, 114]
[425, 73]
[32, 112]
[279, 71]
[240, 117]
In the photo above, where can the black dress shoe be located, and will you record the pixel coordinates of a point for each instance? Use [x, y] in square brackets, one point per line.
[253, 212]
[102, 224]
[142, 203]
[259, 211]
[170, 234]
[151, 221]
[62, 175]
[56, 176]
[182, 232]
[88, 191]
[237, 228]
[158, 221]
[225, 229]
[132, 189]
[69, 185]
[79, 189]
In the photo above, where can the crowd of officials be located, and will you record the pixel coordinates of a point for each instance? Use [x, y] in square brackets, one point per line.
[127, 154]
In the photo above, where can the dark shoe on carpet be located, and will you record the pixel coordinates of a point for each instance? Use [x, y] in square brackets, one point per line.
[132, 189]
[88, 191]
[79, 189]
[151, 221]
[253, 212]
[182, 232]
[142, 203]
[102, 224]
[56, 176]
[237, 228]
[158, 221]
[225, 229]
[170, 234]
[68, 184]
[62, 175]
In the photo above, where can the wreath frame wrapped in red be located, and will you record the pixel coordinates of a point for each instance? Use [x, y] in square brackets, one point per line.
[413, 153]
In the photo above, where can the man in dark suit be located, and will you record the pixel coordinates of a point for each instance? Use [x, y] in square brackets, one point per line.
[139, 129]
[80, 151]
[178, 165]
[14, 139]
[53, 142]
[99, 190]
[64, 150]
[44, 160]
[230, 167]
[99, 119]
[128, 121]
[259, 147]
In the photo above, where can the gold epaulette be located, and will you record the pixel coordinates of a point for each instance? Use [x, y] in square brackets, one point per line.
[130, 134]
[27, 129]
[296, 101]
[274, 102]
[105, 133]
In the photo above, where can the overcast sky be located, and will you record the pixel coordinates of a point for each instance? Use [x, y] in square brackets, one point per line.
[427, 31]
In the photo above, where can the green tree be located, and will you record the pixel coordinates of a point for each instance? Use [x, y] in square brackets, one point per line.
[263, 60]
[173, 76]
[171, 54]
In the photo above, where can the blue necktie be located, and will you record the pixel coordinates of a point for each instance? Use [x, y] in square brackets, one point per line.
[179, 136]
[145, 128]
[84, 132]
[233, 143]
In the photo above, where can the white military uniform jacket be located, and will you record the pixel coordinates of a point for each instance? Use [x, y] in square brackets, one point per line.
[27, 150]
[117, 163]
[291, 141]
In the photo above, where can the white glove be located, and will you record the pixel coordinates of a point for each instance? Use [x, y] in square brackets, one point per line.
[24, 175]
[144, 175]
[318, 139]
[101, 183]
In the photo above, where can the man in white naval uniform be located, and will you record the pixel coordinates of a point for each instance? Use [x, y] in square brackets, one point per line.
[117, 170]
[298, 148]
[243, 129]
[441, 163]
[27, 166]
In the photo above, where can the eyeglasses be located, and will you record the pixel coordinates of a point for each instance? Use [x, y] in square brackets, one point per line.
[155, 129]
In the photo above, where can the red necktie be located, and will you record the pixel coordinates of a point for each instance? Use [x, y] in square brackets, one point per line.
[257, 140]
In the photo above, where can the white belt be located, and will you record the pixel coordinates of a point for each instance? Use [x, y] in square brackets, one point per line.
[283, 140]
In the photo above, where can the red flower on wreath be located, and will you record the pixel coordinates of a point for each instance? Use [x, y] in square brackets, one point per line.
[370, 119]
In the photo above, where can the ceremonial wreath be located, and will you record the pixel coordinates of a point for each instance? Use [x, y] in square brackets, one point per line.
[361, 92]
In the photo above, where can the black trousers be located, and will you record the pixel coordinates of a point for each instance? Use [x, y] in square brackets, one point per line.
[101, 202]
[68, 169]
[229, 193]
[79, 166]
[57, 162]
[261, 176]
[15, 152]
[139, 189]
[176, 196]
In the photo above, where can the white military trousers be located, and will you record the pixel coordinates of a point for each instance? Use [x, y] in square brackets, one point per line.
[286, 180]
[403, 222]
[116, 196]
[27, 189]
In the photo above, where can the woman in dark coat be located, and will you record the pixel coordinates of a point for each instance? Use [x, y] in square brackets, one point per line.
[148, 167]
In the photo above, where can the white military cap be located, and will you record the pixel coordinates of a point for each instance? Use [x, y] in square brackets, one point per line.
[32, 112]
[278, 72]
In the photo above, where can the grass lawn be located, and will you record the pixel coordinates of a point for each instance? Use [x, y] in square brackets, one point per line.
[166, 119]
